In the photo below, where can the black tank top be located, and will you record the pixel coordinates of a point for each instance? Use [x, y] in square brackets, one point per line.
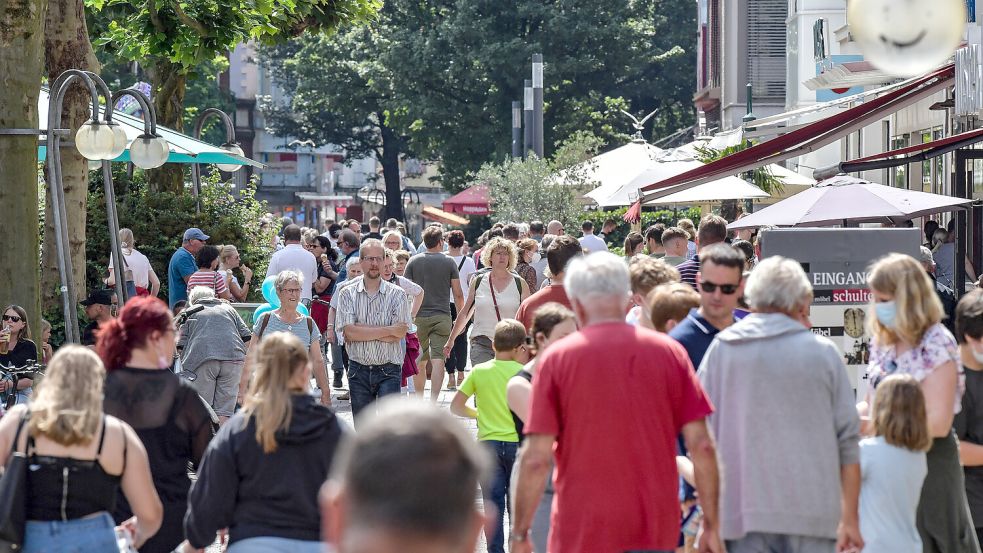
[519, 426]
[63, 488]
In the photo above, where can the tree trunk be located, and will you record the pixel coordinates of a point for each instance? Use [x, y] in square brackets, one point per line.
[21, 53]
[390, 172]
[168, 83]
[66, 47]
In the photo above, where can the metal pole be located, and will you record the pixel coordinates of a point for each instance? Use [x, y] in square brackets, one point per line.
[516, 130]
[537, 104]
[527, 118]
[113, 221]
[961, 190]
[230, 138]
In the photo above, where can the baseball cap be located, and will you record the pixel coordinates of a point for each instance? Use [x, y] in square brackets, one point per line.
[101, 297]
[195, 233]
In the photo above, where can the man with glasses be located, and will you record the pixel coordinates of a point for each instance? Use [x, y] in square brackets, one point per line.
[373, 316]
[182, 265]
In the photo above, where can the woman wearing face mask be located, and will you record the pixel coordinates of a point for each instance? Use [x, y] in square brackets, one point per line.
[528, 255]
[167, 414]
[907, 337]
[550, 323]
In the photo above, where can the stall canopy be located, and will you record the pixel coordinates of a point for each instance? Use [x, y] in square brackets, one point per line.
[183, 148]
[805, 138]
[441, 216]
[472, 201]
[845, 199]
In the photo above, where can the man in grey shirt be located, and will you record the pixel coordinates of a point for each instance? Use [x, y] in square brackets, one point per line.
[437, 274]
[213, 349]
[785, 421]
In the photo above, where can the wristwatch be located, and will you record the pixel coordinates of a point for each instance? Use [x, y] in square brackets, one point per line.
[519, 536]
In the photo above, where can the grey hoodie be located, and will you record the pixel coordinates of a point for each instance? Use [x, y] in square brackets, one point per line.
[785, 420]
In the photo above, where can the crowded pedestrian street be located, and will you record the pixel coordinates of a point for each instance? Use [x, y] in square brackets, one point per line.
[458, 276]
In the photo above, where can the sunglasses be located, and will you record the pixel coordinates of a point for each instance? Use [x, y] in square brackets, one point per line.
[11, 318]
[727, 289]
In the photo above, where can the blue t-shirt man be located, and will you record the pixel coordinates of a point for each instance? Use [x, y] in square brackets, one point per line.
[695, 334]
[182, 266]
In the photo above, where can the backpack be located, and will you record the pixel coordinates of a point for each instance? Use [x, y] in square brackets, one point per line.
[478, 275]
[266, 321]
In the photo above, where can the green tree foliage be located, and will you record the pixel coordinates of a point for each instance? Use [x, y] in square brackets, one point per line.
[667, 217]
[441, 76]
[542, 189]
[172, 38]
[762, 177]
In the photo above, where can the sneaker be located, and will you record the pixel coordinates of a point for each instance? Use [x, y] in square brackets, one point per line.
[347, 396]
[450, 383]
[337, 381]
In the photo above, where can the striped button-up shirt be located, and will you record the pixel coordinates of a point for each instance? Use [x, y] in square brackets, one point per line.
[385, 308]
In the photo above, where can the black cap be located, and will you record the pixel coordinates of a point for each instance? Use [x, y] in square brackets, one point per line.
[101, 297]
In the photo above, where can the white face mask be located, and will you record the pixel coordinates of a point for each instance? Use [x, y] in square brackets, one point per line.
[535, 257]
[977, 354]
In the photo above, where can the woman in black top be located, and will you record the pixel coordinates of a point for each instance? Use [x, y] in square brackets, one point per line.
[262, 472]
[79, 459]
[168, 416]
[21, 351]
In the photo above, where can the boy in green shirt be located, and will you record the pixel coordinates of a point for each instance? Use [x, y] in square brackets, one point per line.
[496, 430]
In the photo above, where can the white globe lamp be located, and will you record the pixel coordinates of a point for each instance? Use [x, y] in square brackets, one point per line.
[94, 140]
[148, 152]
[231, 167]
[120, 142]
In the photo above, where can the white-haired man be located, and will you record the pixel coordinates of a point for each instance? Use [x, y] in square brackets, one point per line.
[625, 499]
[781, 474]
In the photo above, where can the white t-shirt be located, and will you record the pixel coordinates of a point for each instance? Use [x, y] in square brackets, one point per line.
[890, 488]
[294, 257]
[139, 264]
[465, 271]
[593, 243]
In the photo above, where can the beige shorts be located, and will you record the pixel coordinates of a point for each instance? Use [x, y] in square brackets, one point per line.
[433, 333]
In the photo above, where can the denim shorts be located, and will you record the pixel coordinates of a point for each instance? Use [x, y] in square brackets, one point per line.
[93, 534]
[268, 544]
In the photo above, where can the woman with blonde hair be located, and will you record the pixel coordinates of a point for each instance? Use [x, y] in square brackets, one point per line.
[229, 259]
[495, 294]
[141, 280]
[80, 459]
[907, 337]
[261, 474]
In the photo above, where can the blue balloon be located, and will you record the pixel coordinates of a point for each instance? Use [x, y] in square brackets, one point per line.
[269, 291]
[265, 308]
[302, 309]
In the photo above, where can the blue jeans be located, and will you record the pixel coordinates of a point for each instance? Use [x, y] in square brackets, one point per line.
[267, 544]
[503, 458]
[94, 534]
[367, 383]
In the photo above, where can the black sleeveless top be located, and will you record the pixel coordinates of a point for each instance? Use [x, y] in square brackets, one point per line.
[64, 488]
[519, 426]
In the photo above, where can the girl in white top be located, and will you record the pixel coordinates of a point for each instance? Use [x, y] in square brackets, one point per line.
[493, 295]
[893, 467]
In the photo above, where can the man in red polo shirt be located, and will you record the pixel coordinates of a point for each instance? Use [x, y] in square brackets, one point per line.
[561, 251]
[616, 481]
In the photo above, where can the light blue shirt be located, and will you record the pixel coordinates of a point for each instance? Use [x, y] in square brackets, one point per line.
[889, 492]
[182, 264]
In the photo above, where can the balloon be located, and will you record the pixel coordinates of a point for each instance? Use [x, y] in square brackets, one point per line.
[907, 38]
[269, 291]
[265, 308]
[302, 309]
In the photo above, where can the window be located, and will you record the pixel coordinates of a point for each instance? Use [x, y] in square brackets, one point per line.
[766, 47]
[899, 175]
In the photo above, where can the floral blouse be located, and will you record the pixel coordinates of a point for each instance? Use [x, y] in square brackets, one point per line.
[937, 347]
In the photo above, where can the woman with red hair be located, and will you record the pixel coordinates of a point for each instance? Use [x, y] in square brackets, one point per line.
[172, 421]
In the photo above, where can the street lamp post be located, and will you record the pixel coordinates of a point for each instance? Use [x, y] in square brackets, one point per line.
[537, 104]
[412, 200]
[230, 145]
[527, 118]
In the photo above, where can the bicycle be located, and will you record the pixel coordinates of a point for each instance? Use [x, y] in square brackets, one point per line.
[11, 374]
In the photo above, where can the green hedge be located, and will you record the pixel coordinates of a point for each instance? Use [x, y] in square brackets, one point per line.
[665, 216]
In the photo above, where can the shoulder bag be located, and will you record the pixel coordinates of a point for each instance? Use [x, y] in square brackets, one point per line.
[13, 496]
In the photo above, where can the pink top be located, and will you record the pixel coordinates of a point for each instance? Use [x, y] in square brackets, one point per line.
[937, 347]
[208, 279]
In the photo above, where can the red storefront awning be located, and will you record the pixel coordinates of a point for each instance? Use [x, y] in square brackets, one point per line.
[472, 201]
[804, 139]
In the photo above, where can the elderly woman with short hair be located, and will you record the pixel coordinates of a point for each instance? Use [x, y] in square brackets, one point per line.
[494, 295]
[289, 285]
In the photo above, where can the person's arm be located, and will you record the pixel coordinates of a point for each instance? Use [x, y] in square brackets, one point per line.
[320, 372]
[848, 533]
[365, 333]
[329, 331]
[247, 367]
[534, 463]
[138, 488]
[517, 393]
[524, 293]
[8, 427]
[970, 454]
[211, 501]
[154, 283]
[460, 407]
[463, 316]
[939, 388]
[706, 475]
[417, 302]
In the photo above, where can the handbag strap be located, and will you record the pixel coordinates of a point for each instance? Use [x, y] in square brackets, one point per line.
[491, 286]
[20, 426]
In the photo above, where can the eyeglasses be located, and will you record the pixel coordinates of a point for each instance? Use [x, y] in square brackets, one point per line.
[727, 289]
[290, 290]
[11, 318]
[373, 259]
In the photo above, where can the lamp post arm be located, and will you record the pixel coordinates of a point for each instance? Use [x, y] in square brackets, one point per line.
[149, 113]
[106, 93]
[230, 129]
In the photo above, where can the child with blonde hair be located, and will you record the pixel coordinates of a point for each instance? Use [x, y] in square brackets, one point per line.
[893, 467]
